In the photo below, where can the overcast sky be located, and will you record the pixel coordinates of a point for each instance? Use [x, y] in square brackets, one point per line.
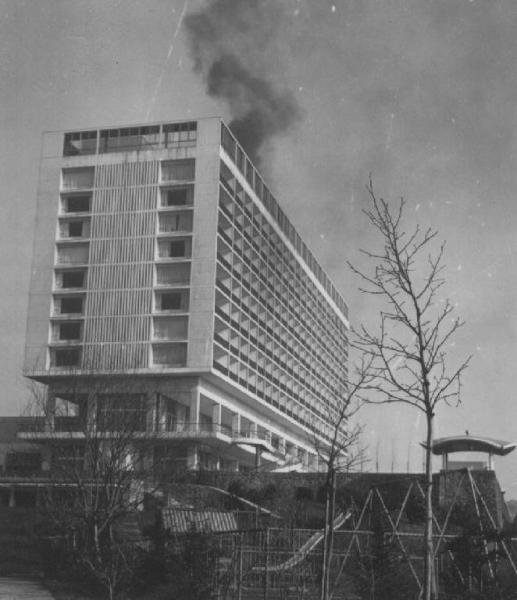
[420, 93]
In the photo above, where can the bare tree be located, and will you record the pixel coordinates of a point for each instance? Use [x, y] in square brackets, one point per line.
[340, 452]
[408, 353]
[96, 449]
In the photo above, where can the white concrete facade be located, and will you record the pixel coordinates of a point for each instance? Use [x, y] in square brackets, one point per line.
[165, 273]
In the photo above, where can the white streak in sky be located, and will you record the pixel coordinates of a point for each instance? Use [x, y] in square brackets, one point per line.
[169, 54]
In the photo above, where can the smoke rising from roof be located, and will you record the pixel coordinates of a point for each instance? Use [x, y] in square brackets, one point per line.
[229, 40]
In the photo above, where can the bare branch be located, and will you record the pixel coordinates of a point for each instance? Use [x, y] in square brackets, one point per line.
[408, 275]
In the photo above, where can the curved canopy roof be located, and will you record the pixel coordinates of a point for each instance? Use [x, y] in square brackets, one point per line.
[471, 443]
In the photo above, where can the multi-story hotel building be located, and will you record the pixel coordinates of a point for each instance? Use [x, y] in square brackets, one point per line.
[167, 280]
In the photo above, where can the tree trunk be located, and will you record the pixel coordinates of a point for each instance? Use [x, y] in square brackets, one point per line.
[328, 535]
[428, 532]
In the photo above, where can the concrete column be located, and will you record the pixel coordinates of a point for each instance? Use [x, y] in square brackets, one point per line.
[161, 413]
[281, 445]
[305, 459]
[195, 403]
[182, 416]
[91, 413]
[193, 458]
[216, 417]
[236, 423]
[50, 412]
[46, 458]
[151, 413]
[148, 460]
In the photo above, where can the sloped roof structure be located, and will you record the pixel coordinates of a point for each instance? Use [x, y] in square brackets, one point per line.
[472, 443]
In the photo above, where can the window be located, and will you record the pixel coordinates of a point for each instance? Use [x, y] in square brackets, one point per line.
[75, 229]
[176, 221]
[122, 413]
[177, 248]
[80, 142]
[178, 196]
[78, 178]
[228, 142]
[70, 331]
[23, 463]
[72, 254]
[71, 305]
[170, 328]
[227, 177]
[73, 279]
[180, 134]
[172, 274]
[178, 170]
[170, 355]
[129, 138]
[67, 358]
[73, 204]
[69, 456]
[173, 301]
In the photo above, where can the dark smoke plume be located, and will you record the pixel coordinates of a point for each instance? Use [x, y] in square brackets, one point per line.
[229, 40]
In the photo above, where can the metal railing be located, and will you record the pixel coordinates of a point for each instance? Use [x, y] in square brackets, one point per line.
[76, 424]
[173, 426]
[256, 435]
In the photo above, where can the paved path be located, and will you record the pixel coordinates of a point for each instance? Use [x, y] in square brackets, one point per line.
[15, 588]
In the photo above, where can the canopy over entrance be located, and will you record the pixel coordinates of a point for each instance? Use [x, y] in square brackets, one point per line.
[471, 443]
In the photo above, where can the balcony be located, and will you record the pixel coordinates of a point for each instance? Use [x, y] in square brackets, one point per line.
[187, 429]
[259, 439]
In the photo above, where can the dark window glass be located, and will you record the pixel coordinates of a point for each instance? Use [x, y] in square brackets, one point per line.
[178, 170]
[22, 462]
[78, 204]
[67, 358]
[69, 331]
[177, 197]
[71, 305]
[75, 229]
[177, 248]
[73, 279]
[171, 301]
[80, 142]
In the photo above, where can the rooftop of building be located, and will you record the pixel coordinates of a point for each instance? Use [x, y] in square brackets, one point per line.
[472, 443]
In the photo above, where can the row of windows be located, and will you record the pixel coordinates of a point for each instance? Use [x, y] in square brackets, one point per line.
[76, 180]
[167, 223]
[253, 262]
[299, 365]
[243, 218]
[172, 300]
[257, 301]
[166, 354]
[236, 154]
[148, 137]
[176, 196]
[256, 280]
[265, 389]
[169, 328]
[75, 254]
[166, 275]
[168, 332]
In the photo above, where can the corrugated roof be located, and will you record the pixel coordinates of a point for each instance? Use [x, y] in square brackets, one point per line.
[178, 520]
